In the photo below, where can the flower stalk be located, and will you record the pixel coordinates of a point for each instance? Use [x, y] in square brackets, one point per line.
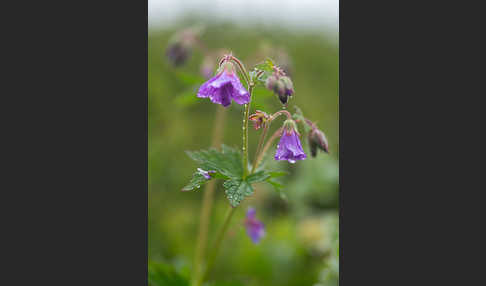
[245, 136]
[260, 145]
[275, 135]
[217, 244]
[208, 199]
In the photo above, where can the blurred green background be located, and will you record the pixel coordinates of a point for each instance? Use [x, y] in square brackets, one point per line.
[301, 243]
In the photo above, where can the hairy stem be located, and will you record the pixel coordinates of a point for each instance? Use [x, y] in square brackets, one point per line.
[280, 112]
[217, 244]
[245, 134]
[243, 70]
[259, 153]
[208, 199]
[269, 143]
[221, 234]
[260, 145]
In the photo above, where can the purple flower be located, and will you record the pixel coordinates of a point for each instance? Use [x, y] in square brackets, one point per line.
[207, 67]
[223, 87]
[205, 173]
[254, 228]
[289, 147]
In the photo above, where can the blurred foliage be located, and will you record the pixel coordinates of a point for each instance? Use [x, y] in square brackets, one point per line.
[301, 243]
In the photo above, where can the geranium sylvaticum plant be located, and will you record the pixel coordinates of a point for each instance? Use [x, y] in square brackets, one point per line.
[232, 83]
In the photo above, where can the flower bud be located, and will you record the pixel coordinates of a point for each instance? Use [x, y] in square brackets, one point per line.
[259, 119]
[180, 46]
[177, 53]
[317, 139]
[288, 85]
[281, 85]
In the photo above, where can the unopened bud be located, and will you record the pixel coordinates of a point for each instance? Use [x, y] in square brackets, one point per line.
[317, 139]
[177, 53]
[288, 85]
[180, 46]
[281, 85]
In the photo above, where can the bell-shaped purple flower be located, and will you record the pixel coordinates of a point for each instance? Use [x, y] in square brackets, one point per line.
[254, 228]
[289, 147]
[224, 87]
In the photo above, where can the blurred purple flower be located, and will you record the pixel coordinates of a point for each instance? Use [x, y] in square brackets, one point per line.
[205, 173]
[207, 67]
[254, 228]
[289, 147]
[223, 87]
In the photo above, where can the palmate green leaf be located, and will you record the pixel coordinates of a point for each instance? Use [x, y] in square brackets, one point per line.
[266, 66]
[257, 177]
[160, 274]
[236, 190]
[227, 165]
[278, 188]
[275, 183]
[228, 162]
[196, 182]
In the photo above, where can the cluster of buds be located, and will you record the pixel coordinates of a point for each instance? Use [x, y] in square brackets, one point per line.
[316, 139]
[280, 84]
[181, 44]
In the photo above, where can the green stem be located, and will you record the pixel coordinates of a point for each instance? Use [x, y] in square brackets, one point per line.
[243, 70]
[269, 143]
[221, 234]
[245, 134]
[259, 153]
[217, 244]
[208, 199]
[260, 145]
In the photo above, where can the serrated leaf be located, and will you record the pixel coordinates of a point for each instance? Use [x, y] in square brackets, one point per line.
[160, 274]
[277, 174]
[236, 190]
[275, 184]
[196, 181]
[267, 65]
[259, 176]
[228, 162]
[278, 188]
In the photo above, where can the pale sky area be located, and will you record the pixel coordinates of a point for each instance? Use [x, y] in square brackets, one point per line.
[289, 14]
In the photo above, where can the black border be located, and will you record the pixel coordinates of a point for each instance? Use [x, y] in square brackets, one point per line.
[76, 181]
